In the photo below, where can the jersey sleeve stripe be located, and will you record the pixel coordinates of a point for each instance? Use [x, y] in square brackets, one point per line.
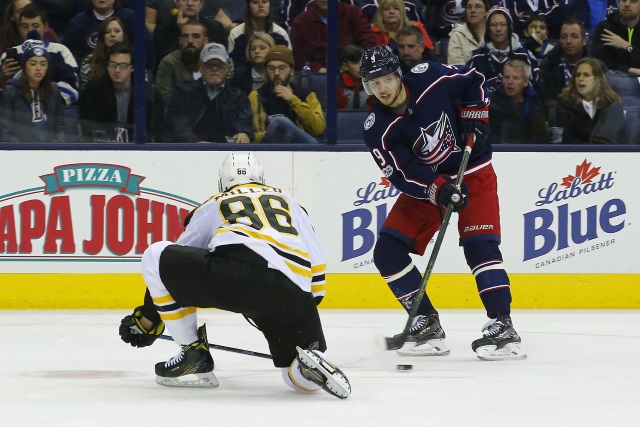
[163, 300]
[178, 314]
[318, 288]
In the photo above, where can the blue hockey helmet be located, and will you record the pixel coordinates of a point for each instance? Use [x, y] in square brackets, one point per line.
[378, 61]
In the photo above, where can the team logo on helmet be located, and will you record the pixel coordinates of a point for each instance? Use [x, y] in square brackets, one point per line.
[436, 141]
[371, 119]
[420, 68]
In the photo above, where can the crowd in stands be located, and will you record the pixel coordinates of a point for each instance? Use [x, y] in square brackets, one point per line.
[247, 71]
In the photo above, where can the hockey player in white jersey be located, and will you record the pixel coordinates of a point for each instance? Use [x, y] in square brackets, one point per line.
[250, 249]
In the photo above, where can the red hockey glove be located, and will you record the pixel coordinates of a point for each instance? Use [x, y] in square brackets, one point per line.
[474, 119]
[443, 191]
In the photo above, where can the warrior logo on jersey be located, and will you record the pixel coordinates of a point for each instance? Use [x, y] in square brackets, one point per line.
[436, 141]
[420, 68]
[371, 119]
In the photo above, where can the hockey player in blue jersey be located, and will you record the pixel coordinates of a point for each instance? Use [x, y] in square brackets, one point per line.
[416, 134]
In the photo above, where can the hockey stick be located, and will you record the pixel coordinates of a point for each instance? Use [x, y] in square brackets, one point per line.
[395, 343]
[225, 348]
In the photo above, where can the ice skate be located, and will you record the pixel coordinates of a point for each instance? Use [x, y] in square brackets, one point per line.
[318, 370]
[426, 338]
[500, 341]
[192, 367]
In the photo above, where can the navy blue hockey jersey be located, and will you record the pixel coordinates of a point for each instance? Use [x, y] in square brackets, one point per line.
[412, 148]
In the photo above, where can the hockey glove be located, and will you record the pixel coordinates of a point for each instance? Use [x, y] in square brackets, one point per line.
[132, 332]
[444, 192]
[474, 119]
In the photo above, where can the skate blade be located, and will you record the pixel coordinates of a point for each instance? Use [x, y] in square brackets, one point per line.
[511, 351]
[203, 380]
[437, 347]
[335, 382]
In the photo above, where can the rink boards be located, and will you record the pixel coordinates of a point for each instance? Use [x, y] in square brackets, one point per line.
[73, 225]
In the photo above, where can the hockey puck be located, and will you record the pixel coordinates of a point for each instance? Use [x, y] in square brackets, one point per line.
[404, 367]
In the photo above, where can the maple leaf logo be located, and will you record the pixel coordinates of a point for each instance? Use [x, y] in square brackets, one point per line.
[584, 172]
[384, 181]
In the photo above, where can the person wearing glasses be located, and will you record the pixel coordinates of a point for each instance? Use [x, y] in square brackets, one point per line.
[467, 37]
[210, 109]
[106, 103]
[282, 111]
[498, 46]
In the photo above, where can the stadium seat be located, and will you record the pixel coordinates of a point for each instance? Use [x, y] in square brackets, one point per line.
[632, 130]
[624, 84]
[71, 124]
[317, 83]
[350, 126]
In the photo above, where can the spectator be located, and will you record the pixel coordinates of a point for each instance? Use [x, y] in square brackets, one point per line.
[9, 34]
[62, 66]
[292, 8]
[60, 13]
[106, 103]
[253, 74]
[467, 37]
[498, 46]
[183, 64]
[82, 32]
[31, 106]
[558, 67]
[166, 38]
[589, 111]
[257, 19]
[94, 65]
[521, 10]
[411, 49]
[283, 112]
[209, 109]
[412, 9]
[597, 11]
[162, 12]
[443, 16]
[536, 33]
[391, 18]
[351, 93]
[309, 33]
[517, 113]
[616, 42]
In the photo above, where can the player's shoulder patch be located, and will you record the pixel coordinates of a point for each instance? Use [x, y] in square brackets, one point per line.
[420, 68]
[371, 119]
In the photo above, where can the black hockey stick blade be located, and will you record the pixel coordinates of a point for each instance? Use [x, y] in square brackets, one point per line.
[396, 342]
[225, 348]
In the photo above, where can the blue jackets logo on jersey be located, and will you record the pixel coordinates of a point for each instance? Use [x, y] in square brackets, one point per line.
[371, 119]
[436, 141]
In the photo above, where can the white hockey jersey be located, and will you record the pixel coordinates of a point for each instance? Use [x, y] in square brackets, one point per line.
[267, 221]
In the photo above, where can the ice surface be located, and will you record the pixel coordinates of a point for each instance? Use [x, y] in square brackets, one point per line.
[69, 368]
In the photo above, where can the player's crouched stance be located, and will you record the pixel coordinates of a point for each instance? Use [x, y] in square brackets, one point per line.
[260, 262]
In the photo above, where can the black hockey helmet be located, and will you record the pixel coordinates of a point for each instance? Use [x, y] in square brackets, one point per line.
[379, 61]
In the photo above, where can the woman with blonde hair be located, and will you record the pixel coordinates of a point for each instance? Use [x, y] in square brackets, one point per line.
[94, 65]
[390, 18]
[588, 110]
[252, 75]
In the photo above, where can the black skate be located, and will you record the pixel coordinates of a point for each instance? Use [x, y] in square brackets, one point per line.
[318, 370]
[500, 341]
[192, 367]
[426, 338]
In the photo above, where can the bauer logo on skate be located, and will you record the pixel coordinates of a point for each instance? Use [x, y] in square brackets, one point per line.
[360, 226]
[88, 212]
[577, 216]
